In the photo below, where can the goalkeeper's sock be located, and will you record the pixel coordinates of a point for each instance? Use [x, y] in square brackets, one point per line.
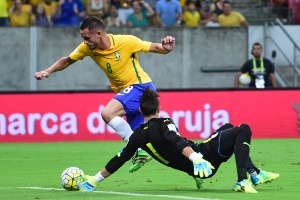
[99, 177]
[121, 127]
[241, 162]
[241, 150]
[251, 168]
[252, 172]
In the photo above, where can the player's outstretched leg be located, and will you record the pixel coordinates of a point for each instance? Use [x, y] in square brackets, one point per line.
[244, 186]
[263, 177]
[140, 158]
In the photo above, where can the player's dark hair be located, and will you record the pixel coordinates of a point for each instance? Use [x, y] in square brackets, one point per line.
[257, 44]
[92, 24]
[149, 102]
[226, 2]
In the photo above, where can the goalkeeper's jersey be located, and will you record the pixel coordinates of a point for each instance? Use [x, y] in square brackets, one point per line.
[160, 138]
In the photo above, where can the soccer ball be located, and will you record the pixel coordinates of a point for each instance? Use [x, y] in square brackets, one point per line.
[245, 79]
[71, 178]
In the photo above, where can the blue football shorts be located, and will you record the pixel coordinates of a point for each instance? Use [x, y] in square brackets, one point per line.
[130, 99]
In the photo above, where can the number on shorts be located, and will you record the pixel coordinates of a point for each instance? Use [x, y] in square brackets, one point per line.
[126, 90]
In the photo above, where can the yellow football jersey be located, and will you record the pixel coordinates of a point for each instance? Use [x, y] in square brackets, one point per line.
[3, 9]
[35, 2]
[191, 19]
[119, 62]
[50, 9]
[233, 19]
[19, 20]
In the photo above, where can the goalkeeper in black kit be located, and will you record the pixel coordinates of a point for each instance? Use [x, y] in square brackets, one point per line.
[160, 138]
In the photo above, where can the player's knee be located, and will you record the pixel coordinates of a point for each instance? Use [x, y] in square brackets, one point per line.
[245, 129]
[106, 116]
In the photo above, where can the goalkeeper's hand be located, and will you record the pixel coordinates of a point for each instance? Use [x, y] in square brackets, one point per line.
[89, 184]
[202, 167]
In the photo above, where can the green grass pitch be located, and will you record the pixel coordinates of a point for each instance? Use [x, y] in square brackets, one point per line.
[32, 171]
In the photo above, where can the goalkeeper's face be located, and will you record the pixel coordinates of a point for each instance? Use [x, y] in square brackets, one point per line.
[91, 39]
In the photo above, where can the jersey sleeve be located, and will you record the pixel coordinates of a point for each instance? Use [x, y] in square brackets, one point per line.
[241, 18]
[158, 7]
[80, 6]
[137, 45]
[272, 70]
[170, 132]
[178, 7]
[80, 52]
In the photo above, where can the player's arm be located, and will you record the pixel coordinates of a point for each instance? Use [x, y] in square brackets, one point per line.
[112, 166]
[273, 80]
[187, 151]
[166, 46]
[245, 23]
[59, 65]
[272, 75]
[158, 18]
[242, 70]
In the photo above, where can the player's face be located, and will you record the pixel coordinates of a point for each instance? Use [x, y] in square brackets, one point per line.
[256, 50]
[214, 17]
[92, 40]
[226, 8]
[18, 4]
[136, 7]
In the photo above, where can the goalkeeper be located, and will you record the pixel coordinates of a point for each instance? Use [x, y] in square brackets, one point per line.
[160, 138]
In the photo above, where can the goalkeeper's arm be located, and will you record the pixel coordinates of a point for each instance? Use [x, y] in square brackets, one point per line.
[100, 176]
[91, 182]
[187, 151]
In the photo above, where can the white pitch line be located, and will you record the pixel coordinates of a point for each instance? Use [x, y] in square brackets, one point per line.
[122, 193]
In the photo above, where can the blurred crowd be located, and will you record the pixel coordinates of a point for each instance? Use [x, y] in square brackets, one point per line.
[120, 13]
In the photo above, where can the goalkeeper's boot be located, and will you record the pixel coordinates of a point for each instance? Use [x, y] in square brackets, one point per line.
[244, 186]
[199, 182]
[263, 177]
[140, 158]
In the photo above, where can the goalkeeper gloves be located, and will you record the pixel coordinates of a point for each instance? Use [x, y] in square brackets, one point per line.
[202, 167]
[89, 184]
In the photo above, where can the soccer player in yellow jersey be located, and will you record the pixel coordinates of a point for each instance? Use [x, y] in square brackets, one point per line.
[117, 56]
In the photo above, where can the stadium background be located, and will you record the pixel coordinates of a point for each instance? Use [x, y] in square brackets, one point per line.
[204, 60]
[196, 88]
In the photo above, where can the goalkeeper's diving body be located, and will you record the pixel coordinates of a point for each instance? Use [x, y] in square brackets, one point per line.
[161, 139]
